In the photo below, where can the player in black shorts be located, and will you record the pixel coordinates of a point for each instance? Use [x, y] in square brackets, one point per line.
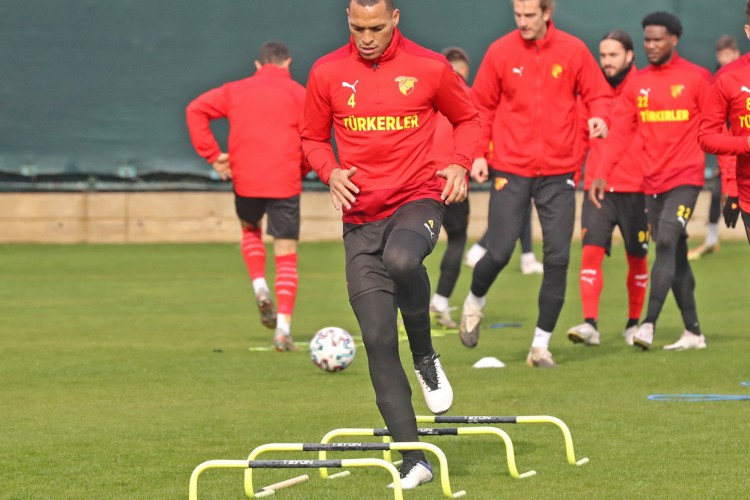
[663, 105]
[623, 206]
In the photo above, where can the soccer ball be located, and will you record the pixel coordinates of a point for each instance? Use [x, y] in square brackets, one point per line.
[332, 349]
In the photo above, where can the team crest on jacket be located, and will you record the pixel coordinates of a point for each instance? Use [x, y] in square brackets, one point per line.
[557, 70]
[676, 90]
[406, 84]
[500, 183]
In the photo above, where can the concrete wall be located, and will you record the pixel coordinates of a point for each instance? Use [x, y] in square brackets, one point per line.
[194, 217]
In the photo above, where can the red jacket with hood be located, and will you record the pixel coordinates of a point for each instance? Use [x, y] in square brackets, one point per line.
[384, 114]
[662, 104]
[526, 94]
[265, 121]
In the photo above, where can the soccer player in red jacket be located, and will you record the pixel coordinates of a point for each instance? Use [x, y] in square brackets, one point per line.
[726, 52]
[729, 99]
[623, 206]
[526, 91]
[662, 104]
[264, 161]
[381, 93]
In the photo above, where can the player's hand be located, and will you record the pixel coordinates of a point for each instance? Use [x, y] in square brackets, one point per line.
[222, 167]
[455, 186]
[597, 128]
[596, 192]
[342, 188]
[480, 172]
[731, 211]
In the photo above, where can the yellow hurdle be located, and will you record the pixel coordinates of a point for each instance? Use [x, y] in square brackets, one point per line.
[447, 431]
[536, 419]
[292, 464]
[324, 448]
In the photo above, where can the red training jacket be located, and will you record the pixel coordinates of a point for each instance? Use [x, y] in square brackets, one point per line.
[662, 105]
[265, 117]
[384, 115]
[729, 98]
[627, 175]
[526, 93]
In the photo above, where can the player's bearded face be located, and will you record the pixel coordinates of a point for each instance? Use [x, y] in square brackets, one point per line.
[659, 44]
[613, 57]
[372, 28]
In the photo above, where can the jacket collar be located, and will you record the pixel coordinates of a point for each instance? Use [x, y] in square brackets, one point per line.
[676, 59]
[545, 42]
[273, 70]
[397, 42]
[618, 81]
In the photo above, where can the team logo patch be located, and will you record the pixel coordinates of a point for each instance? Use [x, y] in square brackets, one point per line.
[500, 183]
[406, 84]
[557, 70]
[676, 90]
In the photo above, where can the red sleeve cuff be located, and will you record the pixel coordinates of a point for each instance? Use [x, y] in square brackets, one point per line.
[729, 187]
[211, 159]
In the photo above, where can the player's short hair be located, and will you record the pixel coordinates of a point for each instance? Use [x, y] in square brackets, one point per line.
[747, 11]
[456, 54]
[547, 4]
[619, 36]
[725, 42]
[661, 18]
[369, 3]
[273, 52]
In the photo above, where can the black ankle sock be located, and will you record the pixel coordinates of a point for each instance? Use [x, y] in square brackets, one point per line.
[592, 322]
[631, 323]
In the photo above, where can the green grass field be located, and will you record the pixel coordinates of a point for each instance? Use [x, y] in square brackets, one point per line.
[124, 367]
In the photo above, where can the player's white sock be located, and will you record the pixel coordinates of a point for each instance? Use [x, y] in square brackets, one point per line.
[259, 284]
[712, 234]
[528, 258]
[439, 303]
[476, 302]
[541, 338]
[283, 323]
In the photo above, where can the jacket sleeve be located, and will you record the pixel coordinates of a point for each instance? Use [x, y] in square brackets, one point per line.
[622, 132]
[316, 129]
[486, 94]
[299, 105]
[206, 107]
[593, 88]
[728, 167]
[711, 135]
[453, 101]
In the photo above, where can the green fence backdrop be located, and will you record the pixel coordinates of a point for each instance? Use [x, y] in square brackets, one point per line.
[100, 86]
